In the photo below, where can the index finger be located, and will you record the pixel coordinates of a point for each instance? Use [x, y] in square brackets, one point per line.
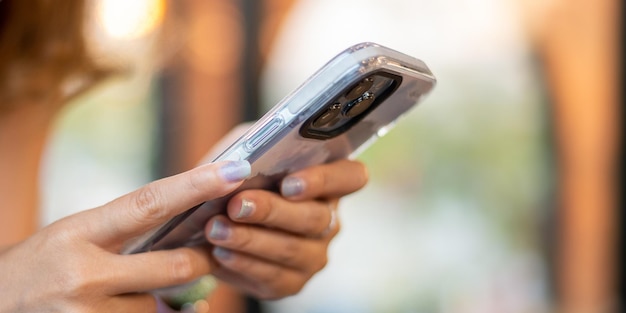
[157, 202]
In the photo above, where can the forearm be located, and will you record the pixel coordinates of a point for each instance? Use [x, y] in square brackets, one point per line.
[23, 135]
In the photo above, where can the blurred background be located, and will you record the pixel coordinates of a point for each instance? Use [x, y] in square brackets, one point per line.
[497, 194]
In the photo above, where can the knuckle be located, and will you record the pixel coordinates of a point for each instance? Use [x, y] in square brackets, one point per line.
[320, 180]
[242, 239]
[265, 209]
[74, 283]
[337, 228]
[362, 176]
[180, 267]
[290, 252]
[57, 234]
[241, 264]
[69, 281]
[278, 284]
[289, 289]
[294, 289]
[195, 181]
[269, 283]
[147, 204]
[322, 264]
[262, 291]
[319, 263]
[316, 220]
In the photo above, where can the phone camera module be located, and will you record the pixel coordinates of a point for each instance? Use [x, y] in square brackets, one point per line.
[360, 88]
[359, 105]
[329, 116]
[350, 106]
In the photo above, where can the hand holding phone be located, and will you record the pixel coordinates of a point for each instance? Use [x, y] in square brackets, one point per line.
[339, 111]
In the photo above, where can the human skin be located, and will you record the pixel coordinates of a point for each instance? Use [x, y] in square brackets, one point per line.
[74, 265]
[271, 250]
[63, 267]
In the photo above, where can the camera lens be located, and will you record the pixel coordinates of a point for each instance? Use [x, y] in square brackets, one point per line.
[360, 88]
[328, 116]
[359, 105]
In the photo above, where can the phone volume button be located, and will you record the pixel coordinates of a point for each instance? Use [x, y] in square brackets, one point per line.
[264, 133]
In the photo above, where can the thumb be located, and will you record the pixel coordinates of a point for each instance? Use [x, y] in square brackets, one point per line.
[157, 202]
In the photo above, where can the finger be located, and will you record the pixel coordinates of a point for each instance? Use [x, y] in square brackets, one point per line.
[332, 180]
[240, 283]
[157, 202]
[333, 227]
[266, 280]
[285, 249]
[158, 269]
[307, 218]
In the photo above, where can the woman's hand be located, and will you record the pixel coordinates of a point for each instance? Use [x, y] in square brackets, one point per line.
[271, 245]
[73, 265]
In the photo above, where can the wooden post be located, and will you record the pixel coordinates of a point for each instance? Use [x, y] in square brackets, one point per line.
[578, 42]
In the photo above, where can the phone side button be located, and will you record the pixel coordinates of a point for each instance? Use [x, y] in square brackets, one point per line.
[233, 156]
[263, 134]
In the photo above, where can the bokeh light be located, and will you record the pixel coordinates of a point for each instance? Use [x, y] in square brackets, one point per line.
[129, 20]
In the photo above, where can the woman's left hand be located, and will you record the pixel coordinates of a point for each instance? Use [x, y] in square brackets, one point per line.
[270, 245]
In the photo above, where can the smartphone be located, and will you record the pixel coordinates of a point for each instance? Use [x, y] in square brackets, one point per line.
[339, 111]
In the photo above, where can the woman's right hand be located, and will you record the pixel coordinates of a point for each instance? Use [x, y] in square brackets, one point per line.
[74, 265]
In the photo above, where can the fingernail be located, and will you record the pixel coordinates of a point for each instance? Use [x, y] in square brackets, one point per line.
[292, 186]
[235, 171]
[247, 207]
[219, 231]
[222, 253]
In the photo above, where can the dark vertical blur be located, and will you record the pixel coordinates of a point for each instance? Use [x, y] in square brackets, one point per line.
[621, 244]
[200, 89]
[251, 58]
[579, 50]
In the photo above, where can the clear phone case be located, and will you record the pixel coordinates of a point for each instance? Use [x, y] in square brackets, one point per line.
[339, 111]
